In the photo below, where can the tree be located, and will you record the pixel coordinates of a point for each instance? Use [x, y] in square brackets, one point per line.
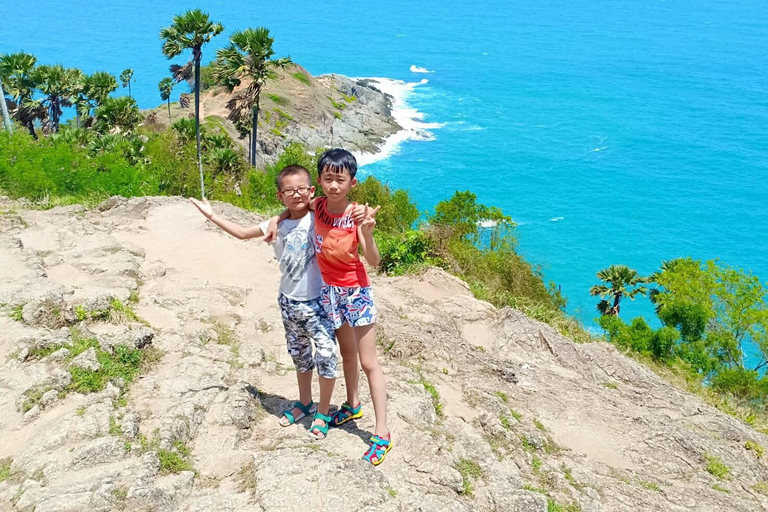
[99, 86]
[57, 84]
[16, 70]
[126, 77]
[718, 310]
[4, 108]
[621, 279]
[190, 31]
[119, 115]
[166, 88]
[247, 57]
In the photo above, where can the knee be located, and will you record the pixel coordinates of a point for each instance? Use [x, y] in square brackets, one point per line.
[370, 365]
[348, 351]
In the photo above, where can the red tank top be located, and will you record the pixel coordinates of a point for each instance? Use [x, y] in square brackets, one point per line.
[336, 247]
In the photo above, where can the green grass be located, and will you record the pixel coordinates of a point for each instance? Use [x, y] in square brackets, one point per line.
[175, 460]
[539, 425]
[611, 385]
[761, 487]
[336, 104]
[651, 486]
[469, 469]
[81, 411]
[349, 99]
[114, 427]
[280, 100]
[553, 506]
[755, 447]
[505, 422]
[275, 131]
[432, 390]
[32, 397]
[301, 77]
[536, 463]
[5, 469]
[337, 115]
[515, 414]
[502, 396]
[531, 488]
[720, 488]
[716, 467]
[284, 115]
[16, 313]
[392, 492]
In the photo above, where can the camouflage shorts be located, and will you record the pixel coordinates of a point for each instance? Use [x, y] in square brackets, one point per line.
[306, 322]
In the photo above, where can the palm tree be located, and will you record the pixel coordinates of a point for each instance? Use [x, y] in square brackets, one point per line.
[16, 70]
[190, 31]
[126, 77]
[620, 278]
[247, 57]
[119, 115]
[57, 84]
[4, 108]
[99, 86]
[78, 98]
[166, 88]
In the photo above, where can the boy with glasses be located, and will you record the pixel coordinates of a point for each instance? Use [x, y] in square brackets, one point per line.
[304, 318]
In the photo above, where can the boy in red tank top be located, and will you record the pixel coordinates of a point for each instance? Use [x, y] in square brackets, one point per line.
[346, 293]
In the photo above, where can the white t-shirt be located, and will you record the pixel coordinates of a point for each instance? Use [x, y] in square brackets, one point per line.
[295, 252]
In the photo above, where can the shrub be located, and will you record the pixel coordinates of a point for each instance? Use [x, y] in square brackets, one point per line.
[301, 77]
[405, 252]
[398, 213]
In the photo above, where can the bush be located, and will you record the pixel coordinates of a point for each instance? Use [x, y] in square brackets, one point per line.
[405, 252]
[397, 215]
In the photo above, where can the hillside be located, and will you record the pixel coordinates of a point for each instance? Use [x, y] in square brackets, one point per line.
[489, 409]
[329, 110]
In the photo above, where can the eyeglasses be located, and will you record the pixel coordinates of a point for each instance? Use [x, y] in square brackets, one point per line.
[292, 191]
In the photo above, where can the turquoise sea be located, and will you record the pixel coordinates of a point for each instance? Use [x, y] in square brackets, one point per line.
[612, 131]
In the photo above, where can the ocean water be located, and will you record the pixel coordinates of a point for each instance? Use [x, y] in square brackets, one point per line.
[619, 131]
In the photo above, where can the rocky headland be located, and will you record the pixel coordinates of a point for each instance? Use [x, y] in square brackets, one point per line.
[143, 367]
[318, 112]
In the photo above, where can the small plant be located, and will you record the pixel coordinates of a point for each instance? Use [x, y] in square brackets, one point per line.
[114, 427]
[280, 100]
[515, 414]
[81, 411]
[284, 115]
[611, 385]
[716, 467]
[651, 486]
[536, 463]
[432, 390]
[720, 488]
[246, 478]
[301, 77]
[175, 460]
[505, 422]
[276, 132]
[502, 396]
[529, 487]
[336, 104]
[469, 468]
[755, 447]
[81, 313]
[553, 506]
[133, 298]
[761, 487]
[539, 425]
[5, 469]
[392, 492]
[120, 494]
[16, 313]
[337, 115]
[349, 99]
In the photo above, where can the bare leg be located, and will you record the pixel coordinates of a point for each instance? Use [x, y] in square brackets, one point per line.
[305, 394]
[366, 346]
[326, 390]
[348, 348]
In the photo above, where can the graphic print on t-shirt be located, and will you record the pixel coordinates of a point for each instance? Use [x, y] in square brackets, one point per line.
[297, 253]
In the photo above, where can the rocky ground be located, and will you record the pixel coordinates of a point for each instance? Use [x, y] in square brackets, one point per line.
[329, 110]
[144, 368]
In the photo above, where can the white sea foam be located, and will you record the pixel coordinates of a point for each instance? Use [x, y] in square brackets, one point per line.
[411, 120]
[555, 219]
[487, 223]
[417, 69]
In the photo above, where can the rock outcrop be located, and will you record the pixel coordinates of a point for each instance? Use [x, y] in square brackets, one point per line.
[489, 410]
[318, 112]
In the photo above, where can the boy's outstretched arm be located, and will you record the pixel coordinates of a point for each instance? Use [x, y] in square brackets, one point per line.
[365, 235]
[236, 230]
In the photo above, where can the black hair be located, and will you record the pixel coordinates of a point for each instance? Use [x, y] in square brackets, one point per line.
[290, 171]
[337, 160]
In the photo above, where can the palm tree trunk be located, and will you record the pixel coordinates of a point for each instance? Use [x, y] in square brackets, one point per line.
[198, 56]
[616, 301]
[254, 130]
[169, 109]
[129, 88]
[4, 107]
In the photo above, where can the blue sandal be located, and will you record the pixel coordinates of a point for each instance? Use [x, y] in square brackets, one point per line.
[378, 450]
[346, 413]
[315, 431]
[306, 410]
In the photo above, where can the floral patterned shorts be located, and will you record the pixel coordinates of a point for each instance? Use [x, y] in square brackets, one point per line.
[349, 305]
